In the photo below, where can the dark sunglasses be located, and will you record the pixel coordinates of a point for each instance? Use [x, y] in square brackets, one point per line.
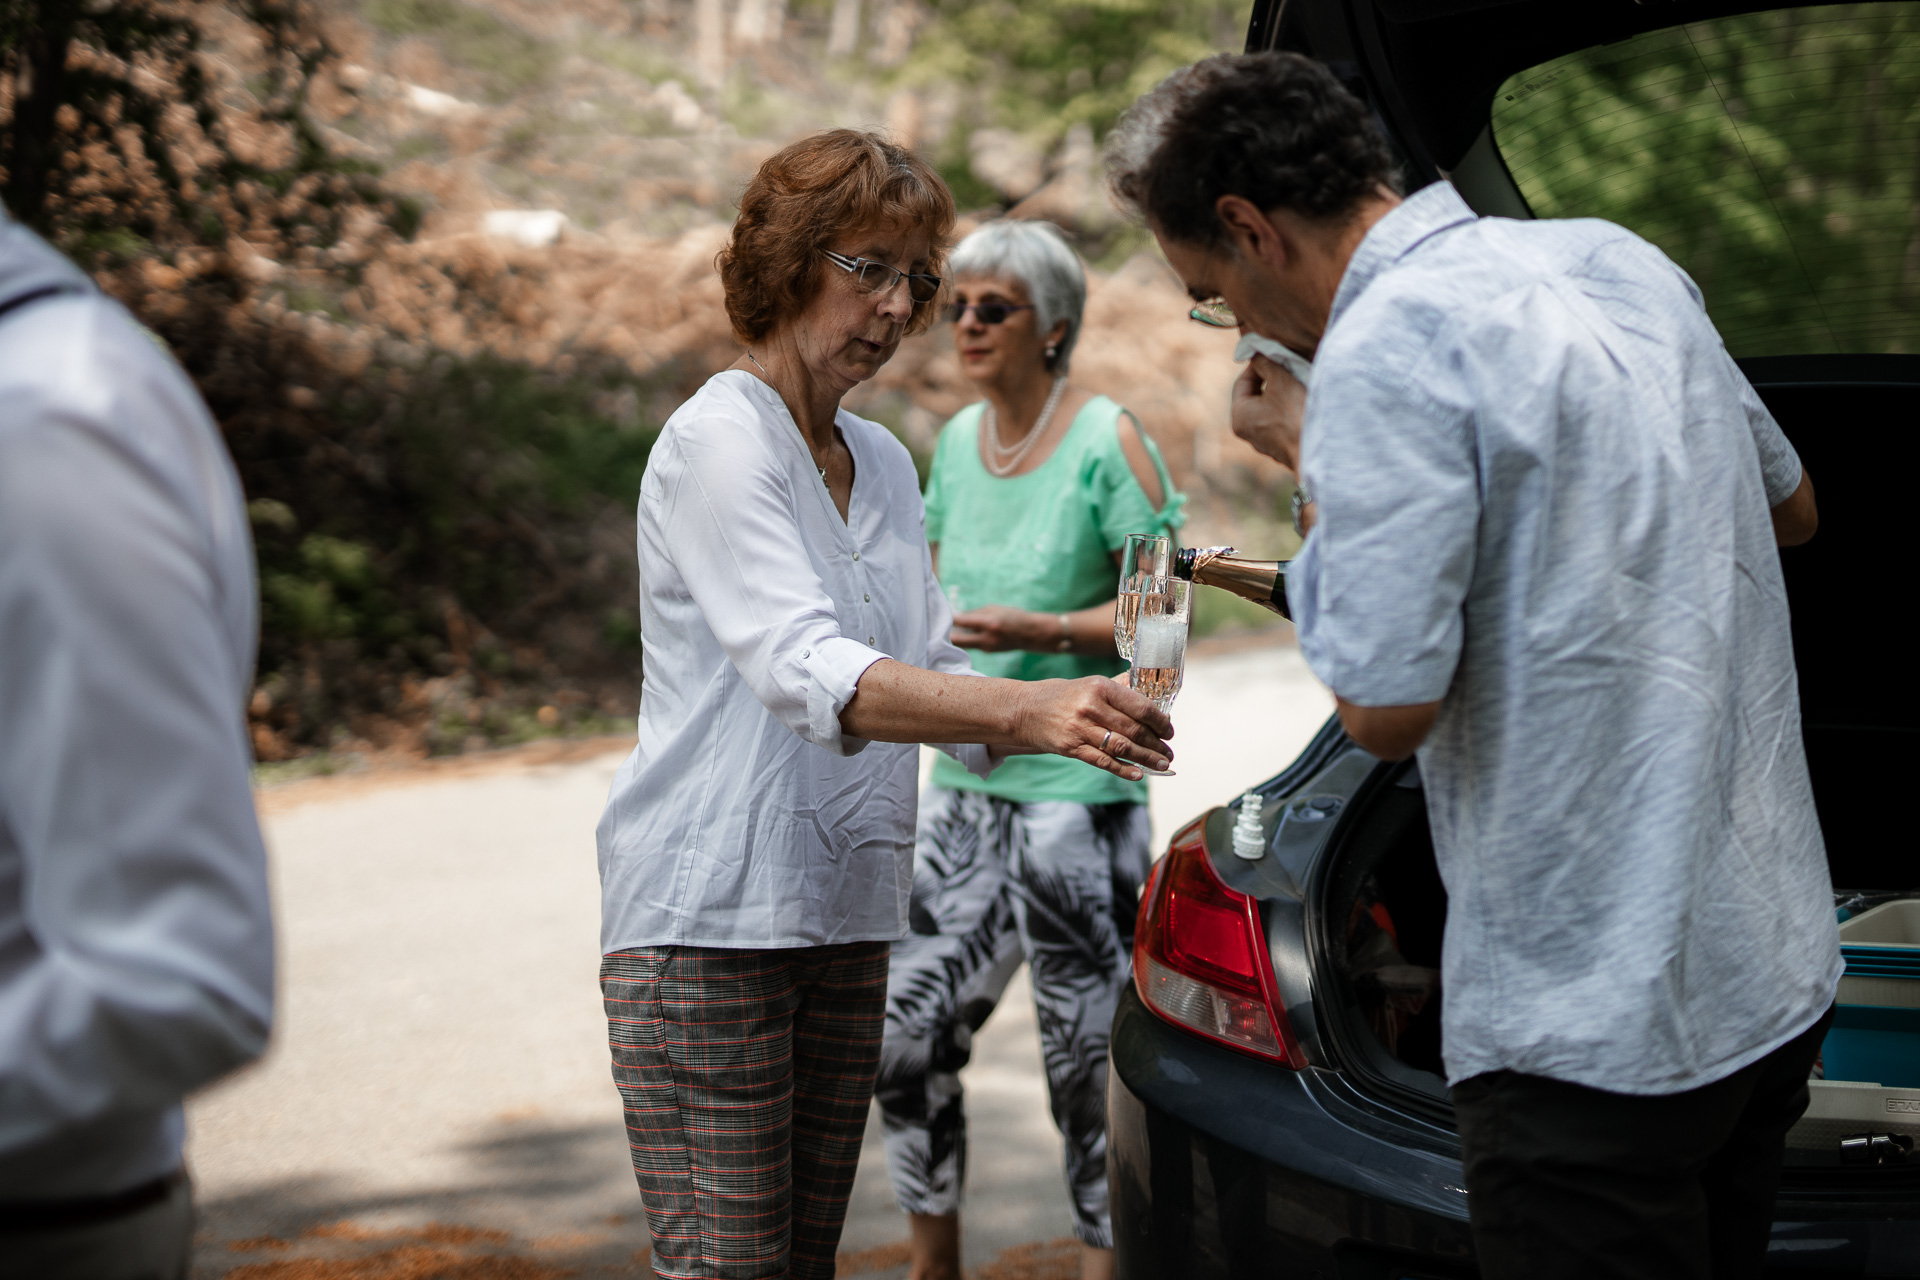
[985, 312]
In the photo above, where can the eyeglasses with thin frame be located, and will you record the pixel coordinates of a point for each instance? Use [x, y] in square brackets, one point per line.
[985, 312]
[878, 277]
[1215, 314]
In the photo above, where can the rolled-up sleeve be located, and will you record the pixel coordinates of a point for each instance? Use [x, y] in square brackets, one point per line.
[729, 513]
[1780, 467]
[1378, 598]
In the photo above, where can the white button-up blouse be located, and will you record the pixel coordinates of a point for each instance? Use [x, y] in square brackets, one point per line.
[745, 817]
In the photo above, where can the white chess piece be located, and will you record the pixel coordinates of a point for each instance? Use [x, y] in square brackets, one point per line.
[1249, 841]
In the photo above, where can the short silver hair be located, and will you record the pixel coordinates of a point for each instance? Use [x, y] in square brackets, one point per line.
[1039, 257]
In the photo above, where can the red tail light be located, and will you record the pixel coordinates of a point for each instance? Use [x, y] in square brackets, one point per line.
[1200, 959]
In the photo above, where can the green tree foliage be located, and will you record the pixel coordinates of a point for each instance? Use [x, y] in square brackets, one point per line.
[473, 38]
[1049, 64]
[416, 515]
[1043, 67]
[1775, 156]
[477, 521]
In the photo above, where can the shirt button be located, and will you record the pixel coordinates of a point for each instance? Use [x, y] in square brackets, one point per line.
[866, 597]
[856, 555]
[806, 653]
[869, 640]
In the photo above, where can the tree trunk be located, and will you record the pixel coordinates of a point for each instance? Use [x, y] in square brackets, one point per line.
[750, 23]
[843, 34]
[38, 86]
[710, 39]
[894, 27]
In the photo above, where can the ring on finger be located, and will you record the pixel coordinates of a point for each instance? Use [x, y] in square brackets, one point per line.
[1104, 741]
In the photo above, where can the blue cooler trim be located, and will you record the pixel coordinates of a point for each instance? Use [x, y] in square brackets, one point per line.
[1873, 1043]
[1882, 962]
[1876, 1017]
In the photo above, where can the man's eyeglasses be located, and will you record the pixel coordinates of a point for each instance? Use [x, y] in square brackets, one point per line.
[985, 312]
[878, 277]
[1215, 313]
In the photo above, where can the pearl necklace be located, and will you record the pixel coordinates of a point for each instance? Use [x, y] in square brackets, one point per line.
[1002, 461]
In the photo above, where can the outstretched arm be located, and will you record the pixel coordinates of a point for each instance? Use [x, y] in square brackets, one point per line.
[895, 702]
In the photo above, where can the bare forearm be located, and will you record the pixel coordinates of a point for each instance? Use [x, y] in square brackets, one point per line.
[1795, 520]
[1392, 733]
[999, 628]
[895, 702]
[1092, 630]
[1094, 720]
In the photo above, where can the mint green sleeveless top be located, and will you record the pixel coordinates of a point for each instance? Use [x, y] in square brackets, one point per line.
[1042, 541]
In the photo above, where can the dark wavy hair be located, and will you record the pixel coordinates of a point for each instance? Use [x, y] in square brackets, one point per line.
[1276, 128]
[809, 195]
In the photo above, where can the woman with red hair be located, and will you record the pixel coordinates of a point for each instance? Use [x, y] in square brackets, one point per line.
[756, 851]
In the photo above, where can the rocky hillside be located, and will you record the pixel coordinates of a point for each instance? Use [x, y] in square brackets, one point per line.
[577, 164]
[441, 267]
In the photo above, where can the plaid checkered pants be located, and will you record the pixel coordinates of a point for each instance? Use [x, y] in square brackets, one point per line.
[745, 1077]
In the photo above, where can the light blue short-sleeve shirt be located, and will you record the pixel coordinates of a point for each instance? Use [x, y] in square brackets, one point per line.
[1544, 491]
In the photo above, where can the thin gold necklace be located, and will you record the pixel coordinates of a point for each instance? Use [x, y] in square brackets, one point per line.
[796, 426]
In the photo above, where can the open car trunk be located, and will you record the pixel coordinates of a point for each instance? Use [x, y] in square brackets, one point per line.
[1769, 151]
[1861, 716]
[1383, 907]
[1384, 919]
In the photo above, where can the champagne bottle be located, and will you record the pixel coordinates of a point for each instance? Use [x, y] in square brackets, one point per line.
[1262, 581]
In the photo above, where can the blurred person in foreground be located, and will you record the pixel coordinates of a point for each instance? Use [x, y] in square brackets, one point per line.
[136, 945]
[1542, 554]
[756, 853]
[1032, 493]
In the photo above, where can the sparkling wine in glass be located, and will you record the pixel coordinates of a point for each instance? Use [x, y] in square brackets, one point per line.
[1159, 659]
[1146, 561]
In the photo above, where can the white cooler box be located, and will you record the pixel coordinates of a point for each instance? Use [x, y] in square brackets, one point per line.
[1841, 1108]
[1844, 1107]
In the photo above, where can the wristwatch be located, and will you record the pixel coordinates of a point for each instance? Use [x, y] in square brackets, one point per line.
[1302, 497]
[1066, 634]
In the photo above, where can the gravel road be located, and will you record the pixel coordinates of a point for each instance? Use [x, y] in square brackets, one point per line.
[437, 1102]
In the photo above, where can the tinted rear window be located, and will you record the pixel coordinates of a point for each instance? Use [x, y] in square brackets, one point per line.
[1775, 156]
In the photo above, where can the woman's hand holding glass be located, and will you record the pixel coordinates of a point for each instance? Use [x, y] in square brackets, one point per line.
[1092, 719]
[1096, 720]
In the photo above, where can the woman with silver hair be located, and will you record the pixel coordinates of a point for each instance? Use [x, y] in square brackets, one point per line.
[1033, 492]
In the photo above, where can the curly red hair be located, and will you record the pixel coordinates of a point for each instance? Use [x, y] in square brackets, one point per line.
[811, 193]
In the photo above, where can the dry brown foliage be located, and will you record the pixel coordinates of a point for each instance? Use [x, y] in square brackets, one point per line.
[441, 429]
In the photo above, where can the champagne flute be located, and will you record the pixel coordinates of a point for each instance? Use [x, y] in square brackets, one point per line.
[1158, 664]
[1145, 561]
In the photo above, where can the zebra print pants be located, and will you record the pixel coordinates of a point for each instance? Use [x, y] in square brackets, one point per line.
[996, 881]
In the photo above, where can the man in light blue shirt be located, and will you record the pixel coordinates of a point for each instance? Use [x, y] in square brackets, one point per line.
[136, 943]
[1542, 554]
